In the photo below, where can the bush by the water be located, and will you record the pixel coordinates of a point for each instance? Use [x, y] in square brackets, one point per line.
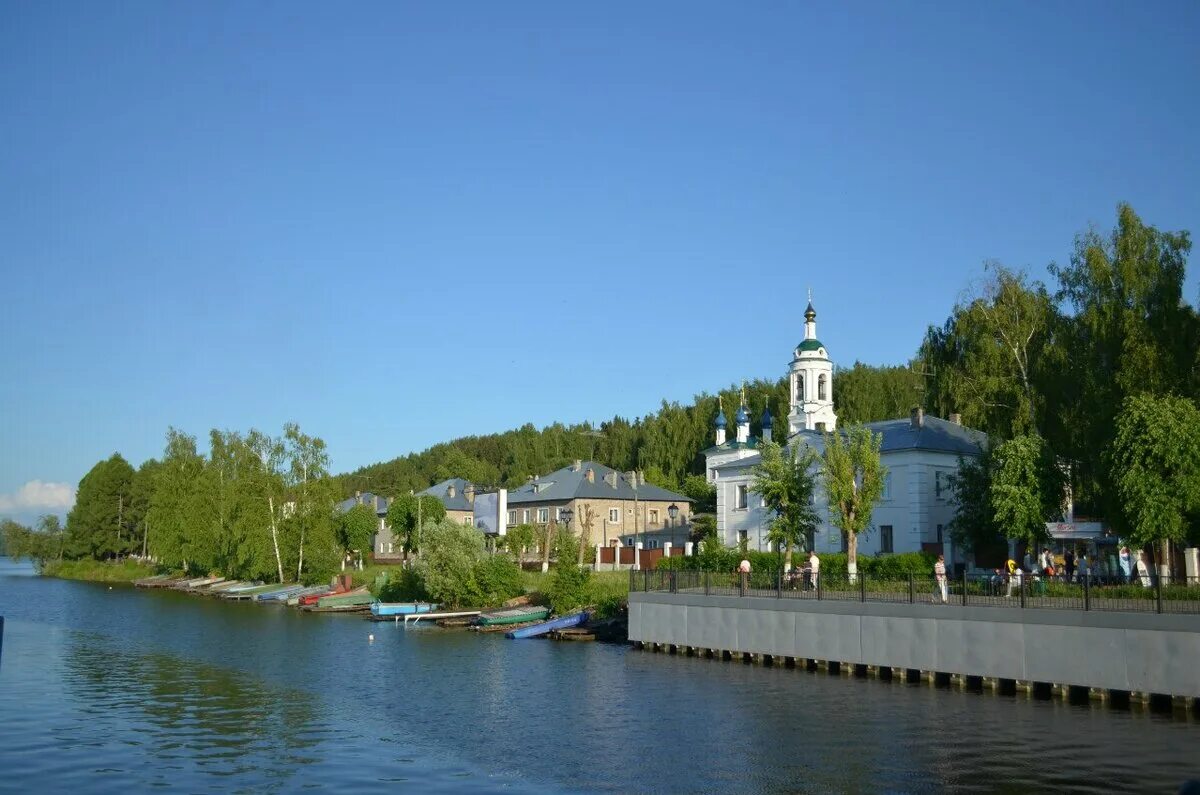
[455, 570]
[717, 558]
[568, 588]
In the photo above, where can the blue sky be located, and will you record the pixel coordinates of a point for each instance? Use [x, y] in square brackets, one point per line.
[401, 223]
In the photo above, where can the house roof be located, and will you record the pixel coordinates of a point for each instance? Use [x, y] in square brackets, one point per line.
[458, 502]
[751, 443]
[934, 434]
[570, 483]
[367, 498]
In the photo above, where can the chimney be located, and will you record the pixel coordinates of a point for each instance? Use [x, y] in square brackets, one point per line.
[956, 418]
[918, 417]
[591, 476]
[451, 491]
[376, 499]
[578, 465]
[469, 493]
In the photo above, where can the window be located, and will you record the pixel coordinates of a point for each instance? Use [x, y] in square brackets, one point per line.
[799, 387]
[467, 521]
[885, 538]
[543, 515]
[821, 390]
[939, 531]
[821, 427]
[558, 514]
[389, 547]
[614, 515]
[742, 536]
[525, 516]
[740, 497]
[653, 516]
[941, 484]
[887, 486]
[653, 544]
[845, 542]
[512, 517]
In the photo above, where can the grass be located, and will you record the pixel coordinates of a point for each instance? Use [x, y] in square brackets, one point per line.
[97, 570]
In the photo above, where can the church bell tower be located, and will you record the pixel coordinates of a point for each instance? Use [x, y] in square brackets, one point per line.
[811, 381]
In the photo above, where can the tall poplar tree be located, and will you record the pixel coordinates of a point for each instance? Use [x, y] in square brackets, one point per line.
[854, 478]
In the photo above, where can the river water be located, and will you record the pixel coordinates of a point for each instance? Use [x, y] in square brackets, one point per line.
[105, 689]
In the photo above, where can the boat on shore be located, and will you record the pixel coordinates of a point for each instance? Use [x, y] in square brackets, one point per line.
[279, 593]
[359, 598]
[512, 615]
[197, 583]
[391, 609]
[311, 590]
[236, 594]
[562, 622]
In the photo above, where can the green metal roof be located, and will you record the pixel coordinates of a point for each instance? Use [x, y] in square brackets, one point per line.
[810, 345]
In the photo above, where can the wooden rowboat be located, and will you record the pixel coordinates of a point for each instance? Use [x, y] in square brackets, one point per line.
[512, 615]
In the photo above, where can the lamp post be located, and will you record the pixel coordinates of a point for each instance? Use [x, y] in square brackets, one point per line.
[672, 512]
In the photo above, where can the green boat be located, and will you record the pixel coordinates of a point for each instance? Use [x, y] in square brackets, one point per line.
[513, 615]
[356, 599]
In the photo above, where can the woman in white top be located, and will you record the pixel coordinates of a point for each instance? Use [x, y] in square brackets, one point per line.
[1143, 571]
[814, 566]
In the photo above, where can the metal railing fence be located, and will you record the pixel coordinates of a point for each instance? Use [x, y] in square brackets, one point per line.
[1149, 594]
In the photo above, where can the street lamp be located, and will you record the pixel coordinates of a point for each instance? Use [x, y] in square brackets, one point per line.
[673, 511]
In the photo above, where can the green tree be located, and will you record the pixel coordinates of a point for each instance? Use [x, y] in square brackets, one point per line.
[312, 495]
[702, 493]
[1155, 464]
[1026, 488]
[174, 501]
[863, 393]
[985, 361]
[409, 514]
[1130, 332]
[785, 480]
[854, 478]
[519, 538]
[96, 525]
[266, 483]
[447, 563]
[974, 524]
[355, 528]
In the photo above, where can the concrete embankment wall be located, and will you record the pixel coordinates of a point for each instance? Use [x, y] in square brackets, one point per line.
[1116, 651]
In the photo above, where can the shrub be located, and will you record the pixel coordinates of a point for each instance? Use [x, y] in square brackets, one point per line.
[498, 579]
[568, 587]
[832, 563]
[404, 585]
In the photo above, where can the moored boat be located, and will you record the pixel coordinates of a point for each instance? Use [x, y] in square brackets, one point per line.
[401, 608]
[512, 615]
[296, 598]
[196, 583]
[562, 622]
[360, 598]
[278, 593]
[246, 593]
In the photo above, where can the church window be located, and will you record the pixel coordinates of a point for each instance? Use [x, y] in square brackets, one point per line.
[821, 389]
[740, 498]
[799, 379]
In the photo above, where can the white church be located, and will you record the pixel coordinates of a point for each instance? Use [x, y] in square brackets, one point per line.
[920, 452]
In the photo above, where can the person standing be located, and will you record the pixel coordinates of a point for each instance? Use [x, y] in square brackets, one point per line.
[1069, 564]
[744, 573]
[1014, 578]
[939, 574]
[1126, 562]
[1143, 571]
[814, 566]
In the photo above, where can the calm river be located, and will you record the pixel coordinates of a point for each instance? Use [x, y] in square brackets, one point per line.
[107, 690]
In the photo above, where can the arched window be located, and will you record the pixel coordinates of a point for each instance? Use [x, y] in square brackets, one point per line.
[799, 378]
[821, 388]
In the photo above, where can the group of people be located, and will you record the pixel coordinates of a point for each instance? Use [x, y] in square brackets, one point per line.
[806, 576]
[1076, 568]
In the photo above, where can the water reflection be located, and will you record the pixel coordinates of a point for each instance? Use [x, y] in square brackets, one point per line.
[182, 712]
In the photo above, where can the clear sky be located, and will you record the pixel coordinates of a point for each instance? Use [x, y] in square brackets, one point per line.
[398, 223]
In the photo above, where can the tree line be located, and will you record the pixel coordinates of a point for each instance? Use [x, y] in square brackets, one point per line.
[1088, 389]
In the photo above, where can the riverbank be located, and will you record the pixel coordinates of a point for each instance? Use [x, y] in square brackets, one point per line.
[97, 570]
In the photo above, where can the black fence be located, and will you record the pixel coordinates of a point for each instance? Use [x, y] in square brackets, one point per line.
[1148, 594]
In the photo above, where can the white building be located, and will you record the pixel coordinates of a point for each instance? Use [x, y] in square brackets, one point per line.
[919, 451]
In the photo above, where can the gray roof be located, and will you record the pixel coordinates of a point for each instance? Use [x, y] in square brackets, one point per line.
[441, 490]
[751, 443]
[367, 498]
[934, 434]
[568, 484]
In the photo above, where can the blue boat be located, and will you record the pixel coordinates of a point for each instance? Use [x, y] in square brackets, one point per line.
[573, 620]
[282, 592]
[401, 608]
